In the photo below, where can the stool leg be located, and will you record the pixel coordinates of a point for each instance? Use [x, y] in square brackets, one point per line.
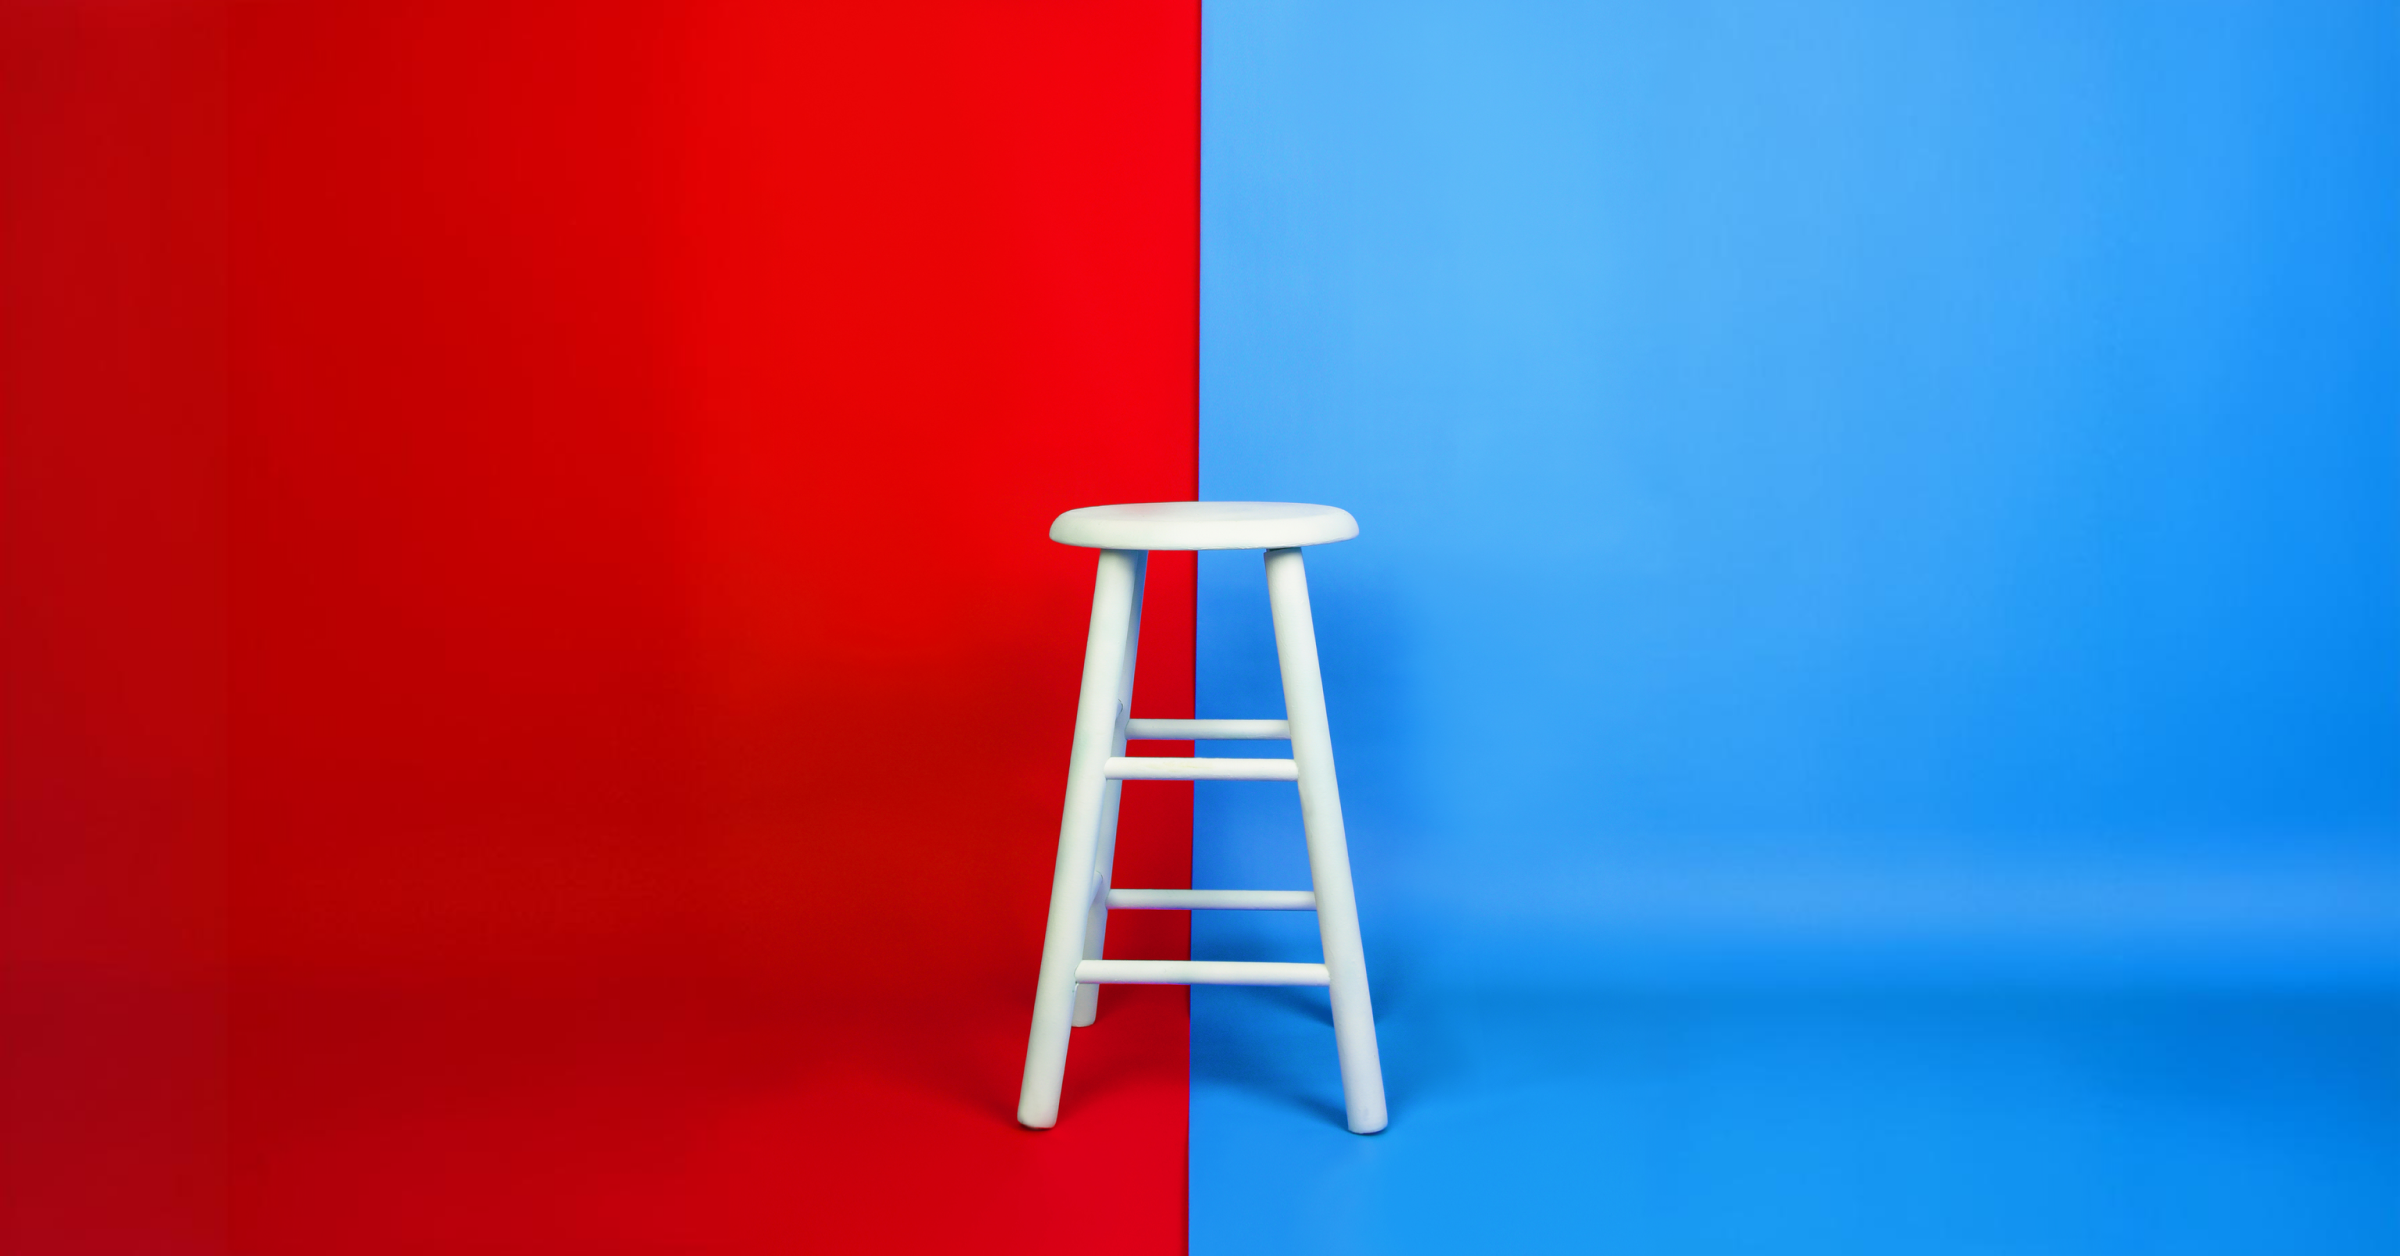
[1095, 927]
[1098, 723]
[1328, 845]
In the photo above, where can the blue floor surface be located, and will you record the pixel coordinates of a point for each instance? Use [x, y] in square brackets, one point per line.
[1921, 1122]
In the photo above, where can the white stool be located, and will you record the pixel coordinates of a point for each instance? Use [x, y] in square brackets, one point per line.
[1080, 894]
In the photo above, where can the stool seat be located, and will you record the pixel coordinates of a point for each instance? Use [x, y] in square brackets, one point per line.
[1203, 526]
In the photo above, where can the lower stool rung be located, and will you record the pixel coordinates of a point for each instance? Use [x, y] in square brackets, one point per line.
[1198, 972]
[1163, 769]
[1214, 900]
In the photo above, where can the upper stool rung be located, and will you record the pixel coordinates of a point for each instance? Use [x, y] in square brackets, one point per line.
[1208, 730]
[1213, 900]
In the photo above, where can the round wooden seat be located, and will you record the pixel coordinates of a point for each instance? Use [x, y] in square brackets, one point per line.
[1203, 526]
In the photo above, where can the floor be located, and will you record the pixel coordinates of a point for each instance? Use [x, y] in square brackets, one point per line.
[664, 1120]
[1839, 1121]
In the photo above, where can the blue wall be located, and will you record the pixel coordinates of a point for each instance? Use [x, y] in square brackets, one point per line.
[1899, 496]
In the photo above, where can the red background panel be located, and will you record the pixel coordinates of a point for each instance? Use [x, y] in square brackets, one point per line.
[113, 622]
[635, 428]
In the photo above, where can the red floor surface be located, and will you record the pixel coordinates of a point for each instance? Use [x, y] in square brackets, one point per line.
[648, 1121]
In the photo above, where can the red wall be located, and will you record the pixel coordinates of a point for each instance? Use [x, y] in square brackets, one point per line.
[634, 430]
[113, 629]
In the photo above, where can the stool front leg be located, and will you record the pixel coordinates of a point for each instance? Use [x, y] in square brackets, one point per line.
[1095, 926]
[1099, 731]
[1328, 843]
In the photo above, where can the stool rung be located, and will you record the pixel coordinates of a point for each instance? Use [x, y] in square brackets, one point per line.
[1221, 900]
[1198, 972]
[1208, 730]
[1202, 770]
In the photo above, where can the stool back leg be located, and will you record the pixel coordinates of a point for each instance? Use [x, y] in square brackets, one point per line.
[1095, 927]
[1107, 669]
[1328, 844]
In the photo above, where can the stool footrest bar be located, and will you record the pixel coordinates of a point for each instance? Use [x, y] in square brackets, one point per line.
[1208, 730]
[1219, 900]
[1202, 770]
[1198, 972]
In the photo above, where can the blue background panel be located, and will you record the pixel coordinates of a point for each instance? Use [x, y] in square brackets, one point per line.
[1869, 691]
